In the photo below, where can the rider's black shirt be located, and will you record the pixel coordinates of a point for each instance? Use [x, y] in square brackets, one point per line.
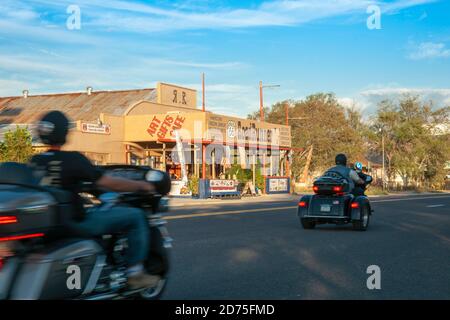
[65, 170]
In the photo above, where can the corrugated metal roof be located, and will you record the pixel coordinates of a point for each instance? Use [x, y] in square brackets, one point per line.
[77, 106]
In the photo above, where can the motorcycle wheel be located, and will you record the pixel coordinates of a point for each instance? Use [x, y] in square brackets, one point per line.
[157, 263]
[363, 223]
[154, 293]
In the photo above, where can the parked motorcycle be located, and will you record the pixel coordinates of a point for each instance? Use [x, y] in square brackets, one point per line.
[41, 257]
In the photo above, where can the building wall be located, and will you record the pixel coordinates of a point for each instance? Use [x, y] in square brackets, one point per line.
[109, 147]
[146, 107]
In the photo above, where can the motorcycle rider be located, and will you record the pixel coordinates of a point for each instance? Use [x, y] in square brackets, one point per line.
[341, 170]
[360, 189]
[68, 170]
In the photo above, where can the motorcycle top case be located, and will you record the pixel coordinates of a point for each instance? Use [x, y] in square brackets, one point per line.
[32, 211]
[326, 184]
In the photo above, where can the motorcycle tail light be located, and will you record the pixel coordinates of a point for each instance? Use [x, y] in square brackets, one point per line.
[302, 204]
[8, 219]
[22, 237]
[355, 205]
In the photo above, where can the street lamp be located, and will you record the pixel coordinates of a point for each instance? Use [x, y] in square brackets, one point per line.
[286, 108]
[261, 100]
[261, 114]
[383, 173]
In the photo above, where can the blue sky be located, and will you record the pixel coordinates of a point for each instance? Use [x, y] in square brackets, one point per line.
[305, 46]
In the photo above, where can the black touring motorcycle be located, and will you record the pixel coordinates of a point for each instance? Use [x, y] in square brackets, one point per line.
[41, 258]
[334, 203]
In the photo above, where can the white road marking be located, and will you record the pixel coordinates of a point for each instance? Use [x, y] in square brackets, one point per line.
[435, 206]
[408, 199]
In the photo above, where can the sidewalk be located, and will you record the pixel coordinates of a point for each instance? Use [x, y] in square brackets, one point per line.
[182, 202]
[187, 201]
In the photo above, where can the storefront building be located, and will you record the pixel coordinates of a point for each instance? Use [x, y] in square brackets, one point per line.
[160, 127]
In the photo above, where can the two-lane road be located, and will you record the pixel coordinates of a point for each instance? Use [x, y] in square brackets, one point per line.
[258, 250]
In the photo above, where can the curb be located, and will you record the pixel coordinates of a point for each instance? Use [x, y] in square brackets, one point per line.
[178, 202]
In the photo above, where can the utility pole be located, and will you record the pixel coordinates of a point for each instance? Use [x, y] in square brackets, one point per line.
[286, 108]
[384, 172]
[261, 102]
[203, 92]
[203, 143]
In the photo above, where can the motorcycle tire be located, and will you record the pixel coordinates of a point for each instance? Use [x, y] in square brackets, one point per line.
[363, 223]
[157, 264]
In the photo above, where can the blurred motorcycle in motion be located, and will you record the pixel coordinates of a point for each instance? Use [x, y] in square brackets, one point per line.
[43, 257]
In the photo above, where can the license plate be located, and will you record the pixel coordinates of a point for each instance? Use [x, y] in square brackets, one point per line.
[325, 208]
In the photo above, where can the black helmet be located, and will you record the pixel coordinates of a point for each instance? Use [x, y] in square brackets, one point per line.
[53, 128]
[341, 159]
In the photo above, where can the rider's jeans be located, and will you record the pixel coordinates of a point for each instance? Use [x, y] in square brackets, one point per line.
[120, 219]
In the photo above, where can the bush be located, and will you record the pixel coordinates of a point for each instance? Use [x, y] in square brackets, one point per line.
[193, 185]
[246, 175]
[16, 146]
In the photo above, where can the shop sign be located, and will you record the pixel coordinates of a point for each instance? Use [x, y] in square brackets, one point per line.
[95, 128]
[277, 185]
[179, 188]
[176, 96]
[165, 128]
[248, 131]
[219, 186]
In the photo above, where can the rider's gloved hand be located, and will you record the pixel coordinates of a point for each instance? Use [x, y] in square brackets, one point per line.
[147, 187]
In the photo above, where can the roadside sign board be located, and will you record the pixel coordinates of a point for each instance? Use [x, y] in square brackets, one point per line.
[95, 128]
[277, 185]
[222, 186]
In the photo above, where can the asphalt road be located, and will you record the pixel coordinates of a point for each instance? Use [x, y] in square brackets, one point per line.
[260, 251]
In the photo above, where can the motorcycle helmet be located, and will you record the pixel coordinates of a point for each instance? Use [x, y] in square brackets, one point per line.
[53, 128]
[358, 166]
[341, 159]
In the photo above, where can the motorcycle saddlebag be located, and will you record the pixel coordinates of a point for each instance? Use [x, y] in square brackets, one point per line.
[62, 270]
[26, 211]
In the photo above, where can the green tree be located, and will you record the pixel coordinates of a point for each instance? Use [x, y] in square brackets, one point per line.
[320, 121]
[415, 148]
[16, 145]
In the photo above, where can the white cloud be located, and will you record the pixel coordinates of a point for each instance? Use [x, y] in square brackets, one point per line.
[197, 65]
[143, 18]
[429, 50]
[370, 98]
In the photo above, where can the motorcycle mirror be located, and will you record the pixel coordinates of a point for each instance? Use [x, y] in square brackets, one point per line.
[160, 179]
[154, 176]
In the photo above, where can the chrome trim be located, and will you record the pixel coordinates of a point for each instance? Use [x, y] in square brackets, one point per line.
[333, 217]
[95, 274]
[158, 223]
[73, 258]
[34, 208]
[167, 242]
[31, 280]
[150, 293]
[7, 276]
[106, 296]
